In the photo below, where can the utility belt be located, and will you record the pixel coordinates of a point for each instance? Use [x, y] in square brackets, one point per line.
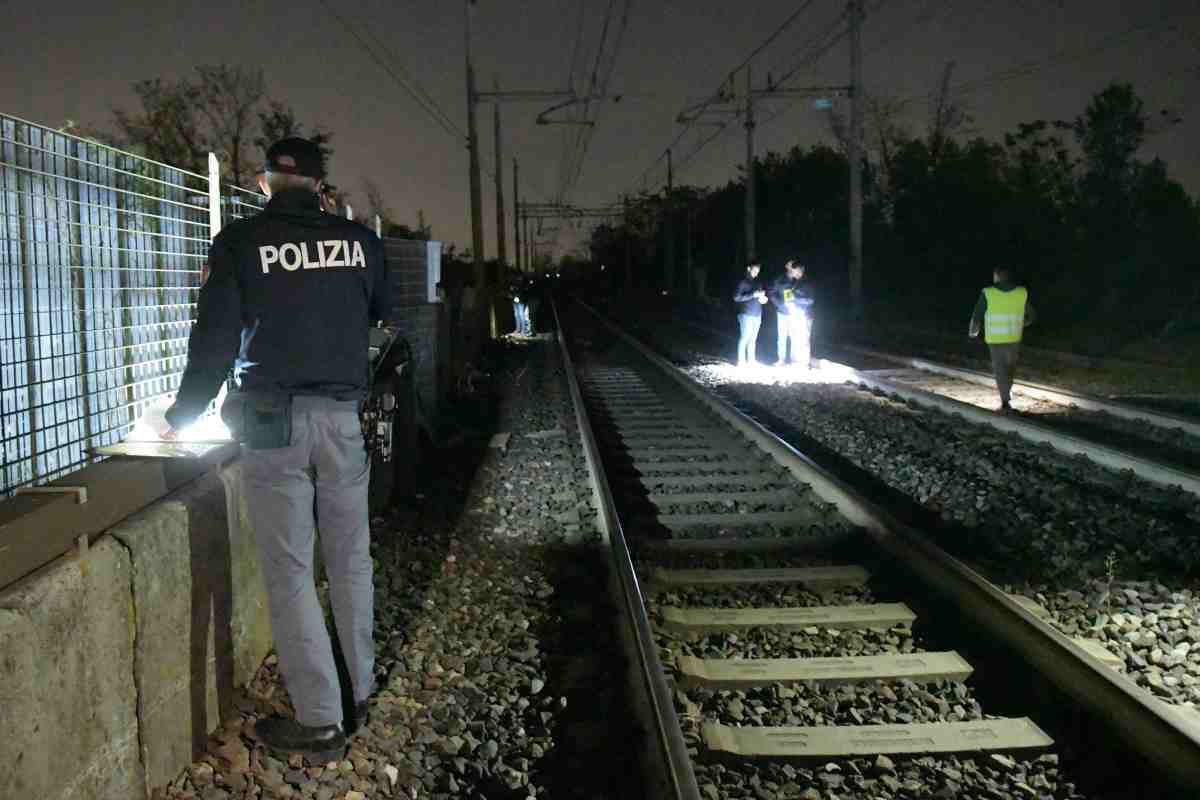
[263, 420]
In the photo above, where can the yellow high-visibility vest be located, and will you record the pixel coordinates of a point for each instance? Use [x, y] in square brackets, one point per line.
[1005, 316]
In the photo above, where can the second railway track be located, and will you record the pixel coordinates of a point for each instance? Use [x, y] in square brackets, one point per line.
[784, 640]
[1159, 446]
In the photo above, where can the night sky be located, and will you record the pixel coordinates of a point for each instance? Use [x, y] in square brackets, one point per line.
[70, 60]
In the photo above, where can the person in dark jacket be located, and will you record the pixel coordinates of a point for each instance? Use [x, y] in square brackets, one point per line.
[793, 314]
[1003, 312]
[750, 296]
[289, 299]
[520, 301]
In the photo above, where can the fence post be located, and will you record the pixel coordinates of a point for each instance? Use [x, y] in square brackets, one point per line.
[28, 298]
[214, 196]
[349, 212]
[378, 226]
[79, 282]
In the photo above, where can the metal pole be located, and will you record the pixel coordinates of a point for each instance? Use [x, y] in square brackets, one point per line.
[628, 246]
[669, 278]
[751, 244]
[349, 211]
[687, 250]
[29, 307]
[79, 285]
[855, 154]
[473, 148]
[528, 246]
[516, 215]
[214, 196]
[501, 249]
[378, 226]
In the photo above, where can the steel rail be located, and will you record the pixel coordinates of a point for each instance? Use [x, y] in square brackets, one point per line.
[1041, 391]
[1110, 457]
[954, 343]
[674, 772]
[1151, 729]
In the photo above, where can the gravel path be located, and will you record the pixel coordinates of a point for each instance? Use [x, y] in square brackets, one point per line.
[498, 670]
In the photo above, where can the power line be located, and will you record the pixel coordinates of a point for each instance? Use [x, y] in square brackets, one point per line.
[1063, 56]
[821, 41]
[412, 80]
[600, 90]
[787, 23]
[698, 109]
[427, 105]
[585, 114]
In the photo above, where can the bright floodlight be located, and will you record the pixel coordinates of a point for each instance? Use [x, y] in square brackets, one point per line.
[153, 423]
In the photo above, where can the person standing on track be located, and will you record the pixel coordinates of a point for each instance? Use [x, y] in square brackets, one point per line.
[750, 296]
[1003, 312]
[793, 315]
[520, 302]
[289, 301]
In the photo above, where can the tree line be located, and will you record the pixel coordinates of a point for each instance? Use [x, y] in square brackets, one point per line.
[1103, 238]
[227, 110]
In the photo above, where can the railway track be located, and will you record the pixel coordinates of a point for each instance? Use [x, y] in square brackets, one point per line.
[791, 640]
[1159, 446]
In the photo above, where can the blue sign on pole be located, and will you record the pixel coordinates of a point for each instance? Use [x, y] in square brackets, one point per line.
[822, 104]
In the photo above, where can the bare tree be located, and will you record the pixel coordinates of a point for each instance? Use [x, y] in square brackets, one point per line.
[883, 133]
[228, 99]
[949, 116]
[375, 202]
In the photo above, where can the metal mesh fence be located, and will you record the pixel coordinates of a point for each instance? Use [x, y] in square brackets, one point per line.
[100, 260]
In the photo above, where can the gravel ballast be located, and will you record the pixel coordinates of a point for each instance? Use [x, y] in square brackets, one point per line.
[1088, 543]
[499, 675]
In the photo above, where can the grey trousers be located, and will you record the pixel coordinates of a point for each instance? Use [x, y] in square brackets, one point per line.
[1004, 364]
[794, 326]
[326, 462]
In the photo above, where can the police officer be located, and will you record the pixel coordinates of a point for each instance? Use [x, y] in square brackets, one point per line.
[793, 315]
[289, 300]
[1003, 311]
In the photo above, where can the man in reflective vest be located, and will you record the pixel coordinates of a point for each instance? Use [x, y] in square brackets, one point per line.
[1003, 312]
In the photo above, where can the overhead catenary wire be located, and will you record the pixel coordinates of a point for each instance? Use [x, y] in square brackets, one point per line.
[584, 115]
[698, 109]
[599, 89]
[418, 95]
[820, 41]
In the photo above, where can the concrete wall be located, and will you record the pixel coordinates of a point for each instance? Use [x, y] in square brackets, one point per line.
[114, 667]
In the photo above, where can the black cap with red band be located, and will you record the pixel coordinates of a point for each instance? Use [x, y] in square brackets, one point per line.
[296, 156]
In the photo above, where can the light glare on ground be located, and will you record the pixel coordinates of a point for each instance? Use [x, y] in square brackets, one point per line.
[822, 371]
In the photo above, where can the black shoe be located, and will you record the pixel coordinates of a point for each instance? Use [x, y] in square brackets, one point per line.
[358, 718]
[318, 745]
